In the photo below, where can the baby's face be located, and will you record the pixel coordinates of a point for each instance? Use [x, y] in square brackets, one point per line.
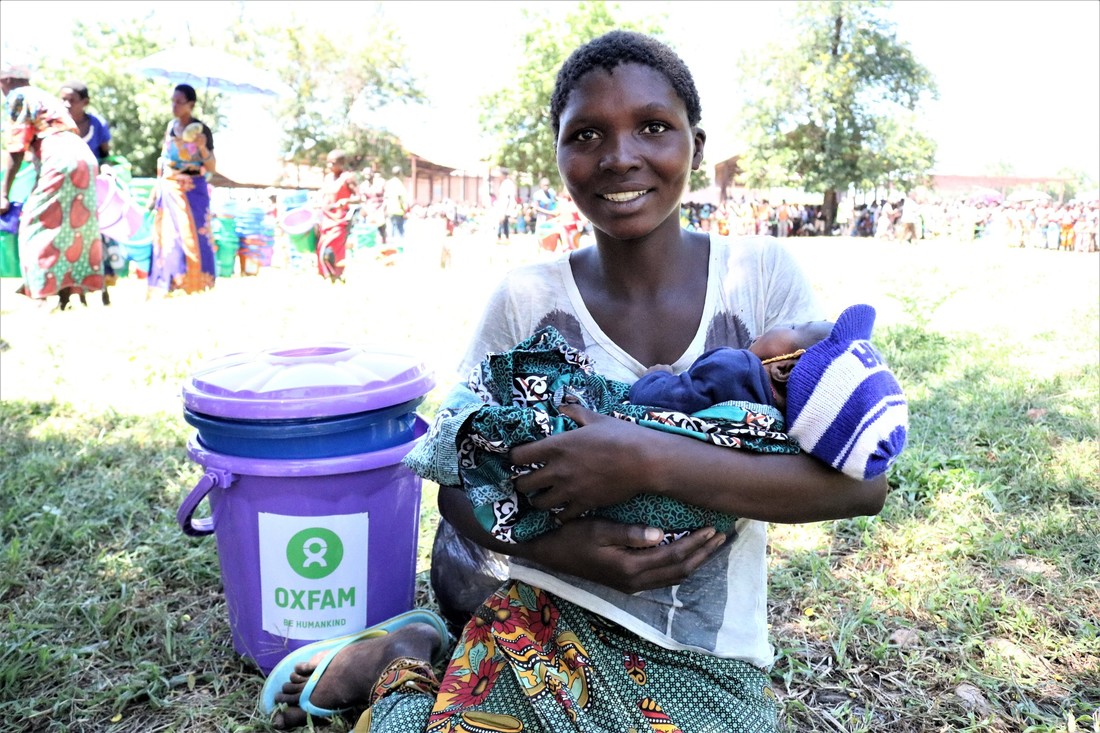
[790, 338]
[783, 340]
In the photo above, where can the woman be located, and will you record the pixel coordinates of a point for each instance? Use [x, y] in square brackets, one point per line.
[59, 244]
[338, 192]
[183, 256]
[97, 135]
[91, 128]
[600, 627]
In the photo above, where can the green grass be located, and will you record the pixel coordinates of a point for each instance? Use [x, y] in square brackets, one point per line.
[970, 604]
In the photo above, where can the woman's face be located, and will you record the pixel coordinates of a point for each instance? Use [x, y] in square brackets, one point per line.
[180, 105]
[74, 103]
[626, 149]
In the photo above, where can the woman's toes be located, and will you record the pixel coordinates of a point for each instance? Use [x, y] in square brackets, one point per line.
[290, 718]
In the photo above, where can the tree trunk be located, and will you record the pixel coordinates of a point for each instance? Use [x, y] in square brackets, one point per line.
[829, 209]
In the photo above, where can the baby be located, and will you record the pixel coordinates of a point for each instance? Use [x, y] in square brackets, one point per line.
[183, 152]
[757, 374]
[842, 403]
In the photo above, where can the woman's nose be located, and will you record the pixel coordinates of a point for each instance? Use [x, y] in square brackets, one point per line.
[620, 154]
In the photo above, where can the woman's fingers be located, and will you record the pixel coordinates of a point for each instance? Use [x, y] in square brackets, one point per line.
[626, 557]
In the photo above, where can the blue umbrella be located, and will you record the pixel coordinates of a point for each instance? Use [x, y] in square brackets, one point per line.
[207, 68]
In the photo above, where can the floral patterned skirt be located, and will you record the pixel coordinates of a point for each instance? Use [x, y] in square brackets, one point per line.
[529, 661]
[183, 253]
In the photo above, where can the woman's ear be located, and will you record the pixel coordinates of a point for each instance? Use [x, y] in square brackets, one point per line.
[700, 142]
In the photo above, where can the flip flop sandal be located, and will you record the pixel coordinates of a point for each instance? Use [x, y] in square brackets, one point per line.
[280, 675]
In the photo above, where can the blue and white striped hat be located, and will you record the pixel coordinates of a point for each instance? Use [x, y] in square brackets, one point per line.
[844, 405]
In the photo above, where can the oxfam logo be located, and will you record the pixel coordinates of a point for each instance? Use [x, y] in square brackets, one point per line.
[315, 553]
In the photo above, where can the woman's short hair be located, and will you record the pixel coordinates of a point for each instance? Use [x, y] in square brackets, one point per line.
[624, 47]
[79, 88]
[188, 92]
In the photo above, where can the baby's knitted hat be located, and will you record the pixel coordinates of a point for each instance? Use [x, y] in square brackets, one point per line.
[843, 404]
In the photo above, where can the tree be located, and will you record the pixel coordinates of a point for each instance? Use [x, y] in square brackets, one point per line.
[699, 180]
[1075, 181]
[136, 108]
[519, 115]
[338, 78]
[839, 107]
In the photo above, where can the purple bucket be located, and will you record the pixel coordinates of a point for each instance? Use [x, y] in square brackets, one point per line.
[317, 546]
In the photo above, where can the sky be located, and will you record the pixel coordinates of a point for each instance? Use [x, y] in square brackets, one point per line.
[1019, 82]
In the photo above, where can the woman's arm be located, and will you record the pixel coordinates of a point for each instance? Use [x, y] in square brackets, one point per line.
[206, 154]
[626, 557]
[607, 460]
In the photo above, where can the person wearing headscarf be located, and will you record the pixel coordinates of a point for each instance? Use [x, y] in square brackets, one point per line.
[60, 249]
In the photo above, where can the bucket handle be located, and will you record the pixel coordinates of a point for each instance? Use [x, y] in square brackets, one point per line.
[200, 527]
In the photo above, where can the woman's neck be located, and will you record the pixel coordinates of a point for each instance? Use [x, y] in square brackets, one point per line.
[185, 119]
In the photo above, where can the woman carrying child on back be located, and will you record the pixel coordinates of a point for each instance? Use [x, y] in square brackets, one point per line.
[601, 628]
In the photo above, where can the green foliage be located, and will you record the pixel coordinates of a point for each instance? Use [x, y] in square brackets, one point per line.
[699, 180]
[1076, 181]
[136, 108]
[332, 75]
[839, 106]
[519, 115]
[338, 77]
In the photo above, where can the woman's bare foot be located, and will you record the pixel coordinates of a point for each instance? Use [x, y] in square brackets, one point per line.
[350, 676]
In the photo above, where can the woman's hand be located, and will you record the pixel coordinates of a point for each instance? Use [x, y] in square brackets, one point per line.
[4, 204]
[598, 464]
[625, 557]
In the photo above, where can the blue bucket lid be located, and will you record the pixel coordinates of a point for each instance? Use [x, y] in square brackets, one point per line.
[303, 382]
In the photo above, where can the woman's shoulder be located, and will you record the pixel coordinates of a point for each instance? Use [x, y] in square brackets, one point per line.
[760, 270]
[752, 247]
[534, 274]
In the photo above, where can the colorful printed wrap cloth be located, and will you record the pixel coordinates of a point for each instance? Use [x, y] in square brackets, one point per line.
[512, 398]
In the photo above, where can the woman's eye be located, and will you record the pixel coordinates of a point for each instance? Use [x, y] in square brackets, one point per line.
[585, 135]
[655, 127]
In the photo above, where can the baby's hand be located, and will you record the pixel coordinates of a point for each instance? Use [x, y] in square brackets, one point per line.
[659, 368]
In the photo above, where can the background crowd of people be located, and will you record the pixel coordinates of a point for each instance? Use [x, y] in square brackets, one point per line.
[1041, 223]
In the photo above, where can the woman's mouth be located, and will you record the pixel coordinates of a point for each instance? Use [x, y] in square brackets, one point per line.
[625, 196]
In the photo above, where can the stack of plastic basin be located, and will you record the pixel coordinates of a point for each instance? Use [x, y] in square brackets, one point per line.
[292, 200]
[9, 255]
[21, 189]
[226, 244]
[141, 190]
[257, 235]
[138, 248]
[364, 234]
[316, 518]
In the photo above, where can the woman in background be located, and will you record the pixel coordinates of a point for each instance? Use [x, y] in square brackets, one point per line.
[97, 134]
[183, 256]
[338, 192]
[59, 245]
